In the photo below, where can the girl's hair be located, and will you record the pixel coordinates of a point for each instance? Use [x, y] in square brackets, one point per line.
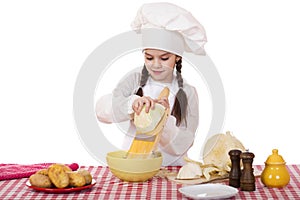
[180, 105]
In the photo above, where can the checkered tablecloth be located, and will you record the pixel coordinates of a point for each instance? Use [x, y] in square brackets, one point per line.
[109, 187]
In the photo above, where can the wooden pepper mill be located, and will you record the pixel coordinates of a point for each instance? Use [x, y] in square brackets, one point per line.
[247, 181]
[235, 171]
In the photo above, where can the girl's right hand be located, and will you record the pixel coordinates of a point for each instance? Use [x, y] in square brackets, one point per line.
[139, 103]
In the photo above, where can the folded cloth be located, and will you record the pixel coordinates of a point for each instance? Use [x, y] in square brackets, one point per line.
[15, 171]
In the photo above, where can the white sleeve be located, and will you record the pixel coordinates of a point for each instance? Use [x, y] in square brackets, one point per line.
[177, 140]
[104, 109]
[117, 107]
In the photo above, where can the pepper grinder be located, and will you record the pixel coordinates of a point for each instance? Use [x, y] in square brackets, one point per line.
[235, 171]
[247, 181]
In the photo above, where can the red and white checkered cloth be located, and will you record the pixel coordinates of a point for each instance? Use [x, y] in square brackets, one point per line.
[14, 171]
[109, 187]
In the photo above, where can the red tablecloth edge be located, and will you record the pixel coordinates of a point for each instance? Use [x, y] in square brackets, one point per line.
[15, 171]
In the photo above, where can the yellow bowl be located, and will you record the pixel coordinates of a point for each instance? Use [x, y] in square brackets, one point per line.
[133, 169]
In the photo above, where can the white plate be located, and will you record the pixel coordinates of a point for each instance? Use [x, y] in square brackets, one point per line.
[208, 191]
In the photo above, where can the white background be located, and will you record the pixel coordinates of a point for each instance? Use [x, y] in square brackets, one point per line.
[254, 45]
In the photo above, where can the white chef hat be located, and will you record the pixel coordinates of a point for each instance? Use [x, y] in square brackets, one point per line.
[168, 27]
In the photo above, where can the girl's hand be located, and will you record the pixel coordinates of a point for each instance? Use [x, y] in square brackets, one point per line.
[139, 103]
[163, 101]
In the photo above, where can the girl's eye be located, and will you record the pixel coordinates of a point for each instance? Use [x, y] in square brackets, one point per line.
[164, 59]
[149, 58]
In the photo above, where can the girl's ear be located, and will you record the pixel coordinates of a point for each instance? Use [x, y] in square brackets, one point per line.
[178, 58]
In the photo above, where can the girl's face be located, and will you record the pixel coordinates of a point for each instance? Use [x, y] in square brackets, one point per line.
[160, 64]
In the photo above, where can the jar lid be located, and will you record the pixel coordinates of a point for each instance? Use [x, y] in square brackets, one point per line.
[275, 158]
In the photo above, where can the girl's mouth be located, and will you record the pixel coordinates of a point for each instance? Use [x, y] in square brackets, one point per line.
[157, 72]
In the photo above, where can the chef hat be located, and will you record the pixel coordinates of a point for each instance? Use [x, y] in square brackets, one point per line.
[168, 27]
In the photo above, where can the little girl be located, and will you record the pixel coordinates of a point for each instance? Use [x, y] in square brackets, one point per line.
[164, 40]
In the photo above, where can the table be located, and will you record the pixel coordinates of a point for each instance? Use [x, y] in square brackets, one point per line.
[110, 187]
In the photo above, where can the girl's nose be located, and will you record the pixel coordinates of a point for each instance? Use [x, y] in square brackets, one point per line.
[156, 63]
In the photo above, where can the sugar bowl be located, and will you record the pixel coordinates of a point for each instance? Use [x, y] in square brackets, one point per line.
[275, 173]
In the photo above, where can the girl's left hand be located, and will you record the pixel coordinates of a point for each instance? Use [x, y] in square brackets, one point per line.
[163, 101]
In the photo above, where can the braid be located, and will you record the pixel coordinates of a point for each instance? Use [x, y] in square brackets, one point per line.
[143, 81]
[178, 73]
[180, 105]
